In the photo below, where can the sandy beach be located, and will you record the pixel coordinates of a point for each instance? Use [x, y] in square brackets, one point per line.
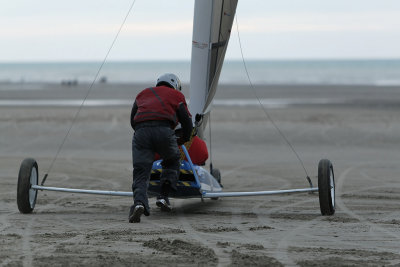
[356, 127]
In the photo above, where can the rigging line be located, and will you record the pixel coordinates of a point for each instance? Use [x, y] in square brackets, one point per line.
[88, 91]
[264, 109]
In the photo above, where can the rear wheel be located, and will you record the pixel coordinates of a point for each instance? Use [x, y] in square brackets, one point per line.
[217, 175]
[326, 187]
[28, 176]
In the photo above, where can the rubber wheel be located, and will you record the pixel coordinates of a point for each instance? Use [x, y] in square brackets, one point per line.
[326, 187]
[217, 175]
[28, 175]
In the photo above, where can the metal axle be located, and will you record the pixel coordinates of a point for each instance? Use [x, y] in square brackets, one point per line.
[83, 191]
[205, 194]
[259, 193]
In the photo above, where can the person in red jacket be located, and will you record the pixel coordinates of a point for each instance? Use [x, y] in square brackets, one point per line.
[155, 114]
[198, 152]
[197, 149]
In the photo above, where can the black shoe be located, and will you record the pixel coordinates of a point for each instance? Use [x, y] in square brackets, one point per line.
[163, 203]
[135, 213]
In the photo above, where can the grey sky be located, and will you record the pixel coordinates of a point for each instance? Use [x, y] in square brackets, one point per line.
[162, 29]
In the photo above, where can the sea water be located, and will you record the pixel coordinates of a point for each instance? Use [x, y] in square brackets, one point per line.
[297, 72]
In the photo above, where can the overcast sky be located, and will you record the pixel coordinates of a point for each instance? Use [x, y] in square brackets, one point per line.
[162, 29]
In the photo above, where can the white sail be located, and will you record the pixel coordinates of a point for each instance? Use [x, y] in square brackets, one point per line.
[212, 26]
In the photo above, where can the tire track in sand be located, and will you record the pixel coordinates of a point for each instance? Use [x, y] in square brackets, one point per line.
[281, 246]
[4, 215]
[223, 258]
[345, 209]
[236, 220]
[307, 230]
[27, 249]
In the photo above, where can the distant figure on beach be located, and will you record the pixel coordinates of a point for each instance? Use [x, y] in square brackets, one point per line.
[69, 82]
[155, 114]
[103, 79]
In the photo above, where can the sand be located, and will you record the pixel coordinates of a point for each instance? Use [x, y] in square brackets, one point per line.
[358, 129]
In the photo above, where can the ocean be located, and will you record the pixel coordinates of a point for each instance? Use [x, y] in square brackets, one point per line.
[293, 72]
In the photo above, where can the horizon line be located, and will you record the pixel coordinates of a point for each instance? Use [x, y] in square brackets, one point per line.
[188, 60]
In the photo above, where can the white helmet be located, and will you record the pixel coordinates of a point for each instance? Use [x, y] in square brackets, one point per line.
[170, 79]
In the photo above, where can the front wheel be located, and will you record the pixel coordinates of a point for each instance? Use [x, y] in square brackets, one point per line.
[28, 176]
[326, 187]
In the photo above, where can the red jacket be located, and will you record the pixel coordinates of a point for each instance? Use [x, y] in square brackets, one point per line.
[158, 103]
[197, 151]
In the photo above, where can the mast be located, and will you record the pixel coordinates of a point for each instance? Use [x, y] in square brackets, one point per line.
[212, 24]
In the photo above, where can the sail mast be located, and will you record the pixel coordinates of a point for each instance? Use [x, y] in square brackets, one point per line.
[212, 24]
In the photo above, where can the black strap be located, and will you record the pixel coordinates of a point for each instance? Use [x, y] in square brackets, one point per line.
[162, 103]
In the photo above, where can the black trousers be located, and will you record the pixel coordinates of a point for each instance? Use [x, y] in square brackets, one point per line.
[150, 138]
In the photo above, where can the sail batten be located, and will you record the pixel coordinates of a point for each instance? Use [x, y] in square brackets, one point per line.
[212, 26]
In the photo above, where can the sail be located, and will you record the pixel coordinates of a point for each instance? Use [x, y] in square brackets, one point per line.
[212, 24]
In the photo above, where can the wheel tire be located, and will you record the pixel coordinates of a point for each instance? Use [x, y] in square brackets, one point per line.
[326, 187]
[217, 175]
[28, 175]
